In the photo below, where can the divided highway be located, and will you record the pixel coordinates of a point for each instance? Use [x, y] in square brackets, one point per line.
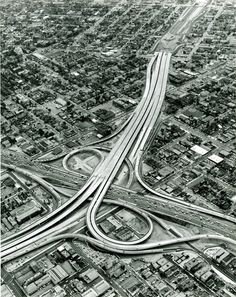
[131, 143]
[104, 174]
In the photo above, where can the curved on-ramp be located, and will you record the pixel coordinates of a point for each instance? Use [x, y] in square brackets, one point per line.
[143, 120]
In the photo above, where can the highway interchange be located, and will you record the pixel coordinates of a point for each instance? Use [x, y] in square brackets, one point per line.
[130, 145]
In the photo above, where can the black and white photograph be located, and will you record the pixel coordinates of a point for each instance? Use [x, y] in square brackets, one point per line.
[118, 148]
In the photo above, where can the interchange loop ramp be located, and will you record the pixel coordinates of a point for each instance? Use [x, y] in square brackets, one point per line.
[146, 115]
[131, 143]
[104, 174]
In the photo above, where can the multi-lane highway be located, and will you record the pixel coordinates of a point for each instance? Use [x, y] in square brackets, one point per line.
[174, 199]
[131, 143]
[188, 16]
[149, 104]
[106, 172]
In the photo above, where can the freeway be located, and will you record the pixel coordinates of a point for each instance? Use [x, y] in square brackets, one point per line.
[188, 16]
[75, 225]
[130, 143]
[123, 146]
[175, 199]
[136, 249]
[89, 188]
[104, 174]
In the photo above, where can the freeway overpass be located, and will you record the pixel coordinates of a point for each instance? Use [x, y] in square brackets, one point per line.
[104, 174]
[131, 143]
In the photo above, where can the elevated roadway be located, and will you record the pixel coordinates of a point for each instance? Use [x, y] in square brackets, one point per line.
[104, 174]
[130, 143]
[136, 249]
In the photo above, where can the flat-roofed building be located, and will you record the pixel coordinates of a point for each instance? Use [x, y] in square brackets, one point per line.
[90, 293]
[101, 287]
[199, 150]
[90, 275]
